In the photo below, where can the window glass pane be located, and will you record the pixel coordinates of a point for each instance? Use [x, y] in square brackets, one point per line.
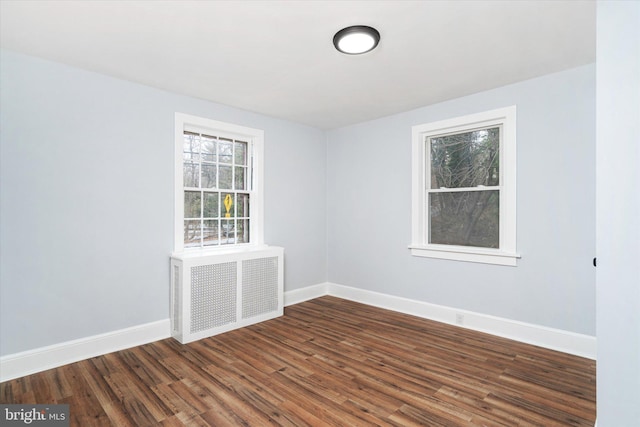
[210, 232]
[208, 176]
[227, 232]
[242, 232]
[467, 218]
[242, 206]
[225, 177]
[192, 204]
[192, 233]
[191, 174]
[466, 159]
[239, 173]
[227, 205]
[240, 153]
[191, 146]
[210, 207]
[208, 148]
[225, 151]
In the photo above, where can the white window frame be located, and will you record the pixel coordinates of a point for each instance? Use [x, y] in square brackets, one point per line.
[506, 254]
[255, 156]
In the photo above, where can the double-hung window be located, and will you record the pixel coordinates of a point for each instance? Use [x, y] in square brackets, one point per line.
[218, 184]
[463, 199]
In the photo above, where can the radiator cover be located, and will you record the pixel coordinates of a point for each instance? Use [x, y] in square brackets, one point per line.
[216, 293]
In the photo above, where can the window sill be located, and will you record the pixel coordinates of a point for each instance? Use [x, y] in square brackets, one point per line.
[218, 250]
[458, 253]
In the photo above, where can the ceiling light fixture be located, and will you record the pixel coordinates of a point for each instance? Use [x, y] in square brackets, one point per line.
[356, 40]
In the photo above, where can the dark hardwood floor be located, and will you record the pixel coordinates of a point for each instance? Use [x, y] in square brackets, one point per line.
[325, 362]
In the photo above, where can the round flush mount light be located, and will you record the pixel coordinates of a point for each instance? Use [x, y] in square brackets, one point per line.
[356, 40]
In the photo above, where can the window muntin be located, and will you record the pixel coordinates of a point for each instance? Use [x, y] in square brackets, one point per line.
[463, 198]
[218, 184]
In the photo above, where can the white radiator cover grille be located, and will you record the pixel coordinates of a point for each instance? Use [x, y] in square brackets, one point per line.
[211, 294]
[259, 286]
[176, 285]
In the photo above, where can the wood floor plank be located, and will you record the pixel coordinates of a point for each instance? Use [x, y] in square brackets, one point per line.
[42, 389]
[144, 367]
[59, 380]
[326, 362]
[107, 400]
[142, 406]
[79, 392]
[482, 411]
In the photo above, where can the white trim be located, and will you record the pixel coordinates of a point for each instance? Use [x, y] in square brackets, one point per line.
[40, 359]
[486, 256]
[554, 339]
[420, 246]
[297, 296]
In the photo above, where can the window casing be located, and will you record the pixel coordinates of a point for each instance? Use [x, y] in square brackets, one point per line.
[463, 189]
[218, 184]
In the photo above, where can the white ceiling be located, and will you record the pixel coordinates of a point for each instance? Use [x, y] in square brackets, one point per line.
[277, 57]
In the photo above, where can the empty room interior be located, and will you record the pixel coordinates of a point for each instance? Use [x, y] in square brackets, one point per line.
[224, 213]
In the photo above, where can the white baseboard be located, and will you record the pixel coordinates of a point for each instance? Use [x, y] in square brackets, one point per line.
[297, 296]
[40, 359]
[554, 339]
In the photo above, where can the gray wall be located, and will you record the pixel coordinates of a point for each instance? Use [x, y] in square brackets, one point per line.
[369, 208]
[86, 190]
[618, 213]
[86, 210]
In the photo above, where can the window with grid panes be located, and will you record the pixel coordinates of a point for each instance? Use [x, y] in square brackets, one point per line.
[219, 174]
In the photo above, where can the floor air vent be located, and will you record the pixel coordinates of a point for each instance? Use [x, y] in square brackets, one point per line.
[212, 294]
